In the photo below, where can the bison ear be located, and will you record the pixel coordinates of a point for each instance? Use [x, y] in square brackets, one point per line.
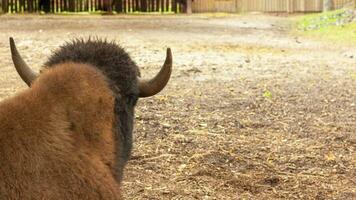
[25, 72]
[153, 86]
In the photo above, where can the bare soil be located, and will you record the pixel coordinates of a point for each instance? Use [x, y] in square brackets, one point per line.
[251, 111]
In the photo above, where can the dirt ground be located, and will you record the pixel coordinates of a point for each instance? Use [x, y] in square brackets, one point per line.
[251, 111]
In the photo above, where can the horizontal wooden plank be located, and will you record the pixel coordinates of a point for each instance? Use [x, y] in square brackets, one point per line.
[265, 5]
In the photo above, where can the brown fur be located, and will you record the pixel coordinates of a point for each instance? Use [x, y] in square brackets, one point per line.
[56, 138]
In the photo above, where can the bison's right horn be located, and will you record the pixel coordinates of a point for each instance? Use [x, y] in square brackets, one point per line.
[22, 68]
[151, 87]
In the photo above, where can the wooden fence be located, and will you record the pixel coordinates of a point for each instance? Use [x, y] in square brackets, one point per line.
[265, 5]
[125, 6]
[56, 6]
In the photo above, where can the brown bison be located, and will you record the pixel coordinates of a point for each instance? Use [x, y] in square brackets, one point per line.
[69, 135]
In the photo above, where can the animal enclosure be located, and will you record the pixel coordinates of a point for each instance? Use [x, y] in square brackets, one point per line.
[251, 111]
[177, 6]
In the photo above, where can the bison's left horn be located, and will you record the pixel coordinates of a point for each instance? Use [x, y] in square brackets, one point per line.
[151, 87]
[22, 68]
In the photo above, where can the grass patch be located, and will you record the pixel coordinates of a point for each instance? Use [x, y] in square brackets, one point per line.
[339, 25]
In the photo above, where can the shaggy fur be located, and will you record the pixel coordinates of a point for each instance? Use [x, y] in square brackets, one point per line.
[122, 75]
[56, 138]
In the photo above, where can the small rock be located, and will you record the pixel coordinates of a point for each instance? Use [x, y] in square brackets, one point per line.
[194, 70]
[273, 181]
[203, 125]
[166, 125]
[350, 54]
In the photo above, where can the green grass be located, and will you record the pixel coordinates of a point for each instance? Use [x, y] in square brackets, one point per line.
[332, 26]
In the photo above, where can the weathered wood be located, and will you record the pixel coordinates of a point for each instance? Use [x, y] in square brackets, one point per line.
[51, 6]
[30, 6]
[71, 6]
[174, 6]
[162, 5]
[124, 6]
[107, 5]
[21, 6]
[136, 7]
[5, 6]
[46, 5]
[158, 3]
[16, 6]
[289, 6]
[143, 5]
[118, 6]
[77, 6]
[63, 5]
[264, 5]
[188, 7]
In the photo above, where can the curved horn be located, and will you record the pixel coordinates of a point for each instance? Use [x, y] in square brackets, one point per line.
[151, 87]
[22, 68]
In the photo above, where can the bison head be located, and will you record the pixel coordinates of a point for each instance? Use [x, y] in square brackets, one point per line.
[122, 75]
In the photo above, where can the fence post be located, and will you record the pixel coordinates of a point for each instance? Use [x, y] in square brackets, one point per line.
[188, 7]
[174, 6]
[303, 5]
[5, 7]
[167, 5]
[45, 5]
[71, 6]
[162, 6]
[158, 3]
[118, 6]
[290, 7]
[30, 6]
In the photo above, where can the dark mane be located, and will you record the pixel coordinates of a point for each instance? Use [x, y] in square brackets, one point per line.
[108, 57]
